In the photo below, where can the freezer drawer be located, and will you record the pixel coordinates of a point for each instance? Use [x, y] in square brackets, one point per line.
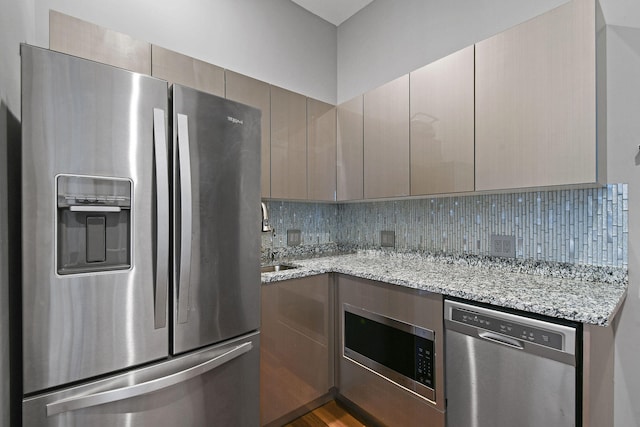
[217, 386]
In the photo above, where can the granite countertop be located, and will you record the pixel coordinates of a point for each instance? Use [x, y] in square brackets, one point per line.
[590, 295]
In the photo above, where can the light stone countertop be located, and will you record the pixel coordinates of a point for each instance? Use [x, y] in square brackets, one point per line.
[543, 291]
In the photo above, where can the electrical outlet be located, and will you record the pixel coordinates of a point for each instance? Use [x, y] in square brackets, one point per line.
[293, 237]
[388, 239]
[503, 246]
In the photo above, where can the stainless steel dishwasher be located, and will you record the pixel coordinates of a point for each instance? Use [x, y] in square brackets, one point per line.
[506, 370]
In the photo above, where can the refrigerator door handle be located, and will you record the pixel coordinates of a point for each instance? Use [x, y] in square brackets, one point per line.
[95, 399]
[185, 218]
[162, 220]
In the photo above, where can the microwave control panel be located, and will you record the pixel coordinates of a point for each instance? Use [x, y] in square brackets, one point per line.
[424, 362]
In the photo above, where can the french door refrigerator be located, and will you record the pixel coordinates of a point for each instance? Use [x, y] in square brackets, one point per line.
[140, 297]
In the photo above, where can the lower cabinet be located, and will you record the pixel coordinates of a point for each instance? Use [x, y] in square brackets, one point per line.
[296, 353]
[380, 350]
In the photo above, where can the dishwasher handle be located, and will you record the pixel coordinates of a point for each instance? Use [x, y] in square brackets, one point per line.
[501, 339]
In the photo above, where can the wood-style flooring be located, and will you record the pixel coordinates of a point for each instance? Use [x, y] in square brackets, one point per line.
[328, 415]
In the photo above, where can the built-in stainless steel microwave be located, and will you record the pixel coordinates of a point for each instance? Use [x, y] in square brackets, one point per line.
[400, 352]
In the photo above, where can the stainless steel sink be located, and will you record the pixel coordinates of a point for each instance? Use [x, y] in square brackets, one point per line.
[276, 267]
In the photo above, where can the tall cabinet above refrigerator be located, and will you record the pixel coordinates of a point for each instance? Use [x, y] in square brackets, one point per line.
[140, 255]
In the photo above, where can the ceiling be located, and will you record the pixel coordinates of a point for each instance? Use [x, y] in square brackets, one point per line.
[333, 11]
[625, 13]
[616, 12]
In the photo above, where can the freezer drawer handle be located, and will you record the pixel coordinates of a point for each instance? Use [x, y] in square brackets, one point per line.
[185, 215]
[162, 224]
[82, 402]
[499, 339]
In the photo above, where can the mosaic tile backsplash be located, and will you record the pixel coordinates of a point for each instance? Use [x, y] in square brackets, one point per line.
[580, 226]
[317, 222]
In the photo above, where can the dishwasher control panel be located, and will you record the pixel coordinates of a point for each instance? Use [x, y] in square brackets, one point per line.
[511, 329]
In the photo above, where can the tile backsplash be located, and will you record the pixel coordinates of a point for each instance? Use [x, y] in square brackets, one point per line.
[317, 222]
[579, 226]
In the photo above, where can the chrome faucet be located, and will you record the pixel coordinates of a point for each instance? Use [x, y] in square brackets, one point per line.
[266, 227]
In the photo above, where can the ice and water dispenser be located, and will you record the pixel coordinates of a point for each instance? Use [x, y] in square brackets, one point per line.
[93, 224]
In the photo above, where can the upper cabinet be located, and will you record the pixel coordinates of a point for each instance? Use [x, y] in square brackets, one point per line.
[288, 145]
[177, 68]
[386, 140]
[518, 110]
[256, 94]
[536, 102]
[350, 122]
[442, 141]
[86, 40]
[321, 150]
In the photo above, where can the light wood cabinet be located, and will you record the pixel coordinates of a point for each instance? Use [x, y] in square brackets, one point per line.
[256, 94]
[350, 134]
[321, 151]
[288, 145]
[86, 40]
[296, 350]
[442, 125]
[177, 68]
[536, 102]
[386, 140]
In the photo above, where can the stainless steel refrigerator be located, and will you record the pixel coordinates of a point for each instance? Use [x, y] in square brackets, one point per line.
[140, 297]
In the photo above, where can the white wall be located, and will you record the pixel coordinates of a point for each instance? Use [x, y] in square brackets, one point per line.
[384, 41]
[623, 157]
[275, 41]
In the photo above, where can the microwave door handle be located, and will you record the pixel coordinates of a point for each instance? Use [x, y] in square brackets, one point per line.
[75, 403]
[185, 218]
[162, 220]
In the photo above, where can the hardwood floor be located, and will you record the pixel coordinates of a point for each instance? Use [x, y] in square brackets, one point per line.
[328, 415]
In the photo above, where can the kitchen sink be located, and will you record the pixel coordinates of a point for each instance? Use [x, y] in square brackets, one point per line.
[275, 267]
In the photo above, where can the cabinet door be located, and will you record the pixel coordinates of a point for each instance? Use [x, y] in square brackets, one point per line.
[288, 144]
[386, 140]
[321, 150]
[350, 150]
[296, 350]
[80, 38]
[177, 68]
[256, 94]
[442, 142]
[535, 102]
